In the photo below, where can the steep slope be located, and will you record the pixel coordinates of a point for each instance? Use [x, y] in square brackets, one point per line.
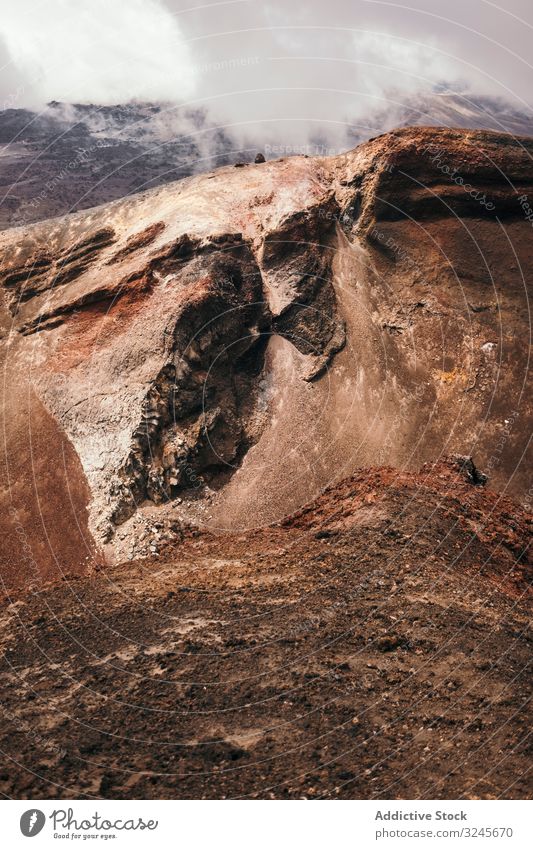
[218, 350]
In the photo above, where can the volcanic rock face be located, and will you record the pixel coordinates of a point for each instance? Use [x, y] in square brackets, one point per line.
[242, 339]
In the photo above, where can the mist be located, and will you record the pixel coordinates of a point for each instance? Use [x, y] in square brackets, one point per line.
[95, 51]
[266, 73]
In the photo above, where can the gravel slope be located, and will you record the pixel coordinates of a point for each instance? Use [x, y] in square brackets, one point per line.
[373, 645]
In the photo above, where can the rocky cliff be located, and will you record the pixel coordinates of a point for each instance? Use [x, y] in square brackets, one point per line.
[217, 351]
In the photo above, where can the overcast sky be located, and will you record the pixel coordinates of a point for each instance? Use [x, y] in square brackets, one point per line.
[280, 62]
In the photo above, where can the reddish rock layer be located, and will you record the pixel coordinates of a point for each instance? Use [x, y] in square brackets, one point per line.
[225, 347]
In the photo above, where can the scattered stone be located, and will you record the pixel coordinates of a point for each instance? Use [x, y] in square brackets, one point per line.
[389, 642]
[469, 471]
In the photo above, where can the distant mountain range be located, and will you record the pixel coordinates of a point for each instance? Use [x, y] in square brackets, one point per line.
[75, 156]
[451, 110]
[72, 157]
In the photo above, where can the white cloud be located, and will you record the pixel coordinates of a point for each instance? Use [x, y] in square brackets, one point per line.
[388, 63]
[104, 51]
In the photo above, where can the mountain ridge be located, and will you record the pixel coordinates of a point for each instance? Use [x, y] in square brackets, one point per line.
[181, 339]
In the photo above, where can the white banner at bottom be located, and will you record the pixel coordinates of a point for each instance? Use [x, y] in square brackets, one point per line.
[242, 824]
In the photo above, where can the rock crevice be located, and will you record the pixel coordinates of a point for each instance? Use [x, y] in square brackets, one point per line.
[242, 338]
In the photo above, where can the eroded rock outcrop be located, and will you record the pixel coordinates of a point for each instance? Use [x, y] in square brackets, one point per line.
[220, 349]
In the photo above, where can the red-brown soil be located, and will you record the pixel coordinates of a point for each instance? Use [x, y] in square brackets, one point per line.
[374, 645]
